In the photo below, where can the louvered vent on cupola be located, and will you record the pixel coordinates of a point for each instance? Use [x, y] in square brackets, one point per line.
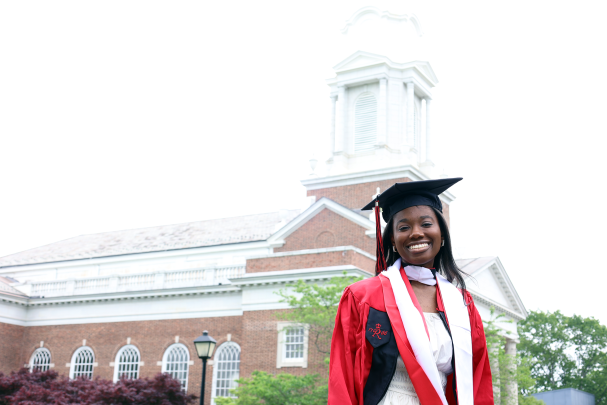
[365, 123]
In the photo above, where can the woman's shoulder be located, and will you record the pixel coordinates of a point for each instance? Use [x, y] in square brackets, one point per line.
[363, 290]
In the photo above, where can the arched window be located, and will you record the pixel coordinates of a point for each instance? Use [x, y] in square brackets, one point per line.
[127, 363]
[226, 369]
[365, 122]
[176, 361]
[40, 360]
[82, 363]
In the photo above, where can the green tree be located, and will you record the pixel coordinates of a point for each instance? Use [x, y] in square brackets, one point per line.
[281, 389]
[315, 305]
[565, 352]
[496, 341]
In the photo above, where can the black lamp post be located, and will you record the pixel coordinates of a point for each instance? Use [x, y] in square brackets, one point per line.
[205, 345]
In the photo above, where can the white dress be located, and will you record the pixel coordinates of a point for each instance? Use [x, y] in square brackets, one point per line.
[401, 391]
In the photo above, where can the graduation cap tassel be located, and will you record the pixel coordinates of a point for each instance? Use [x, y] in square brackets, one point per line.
[380, 264]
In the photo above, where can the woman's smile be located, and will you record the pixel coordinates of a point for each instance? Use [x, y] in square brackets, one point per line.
[419, 247]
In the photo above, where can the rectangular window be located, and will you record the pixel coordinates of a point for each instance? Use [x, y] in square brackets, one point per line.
[294, 343]
[292, 350]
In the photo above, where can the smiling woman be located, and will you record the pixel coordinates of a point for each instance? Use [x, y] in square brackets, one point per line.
[410, 335]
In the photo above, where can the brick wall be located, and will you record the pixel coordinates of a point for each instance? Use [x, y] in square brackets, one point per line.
[306, 261]
[260, 346]
[11, 340]
[355, 196]
[256, 333]
[152, 338]
[328, 229]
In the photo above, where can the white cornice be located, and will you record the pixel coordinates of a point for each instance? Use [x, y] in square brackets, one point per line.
[367, 176]
[291, 276]
[495, 266]
[315, 251]
[422, 69]
[371, 176]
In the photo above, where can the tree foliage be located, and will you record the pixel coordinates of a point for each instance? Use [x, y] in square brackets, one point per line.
[281, 389]
[565, 352]
[496, 342]
[41, 388]
[315, 305]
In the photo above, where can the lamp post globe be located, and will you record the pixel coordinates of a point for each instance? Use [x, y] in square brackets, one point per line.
[205, 346]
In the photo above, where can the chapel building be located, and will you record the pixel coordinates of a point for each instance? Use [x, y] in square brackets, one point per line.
[132, 302]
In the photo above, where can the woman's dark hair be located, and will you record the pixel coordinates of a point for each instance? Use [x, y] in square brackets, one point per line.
[443, 262]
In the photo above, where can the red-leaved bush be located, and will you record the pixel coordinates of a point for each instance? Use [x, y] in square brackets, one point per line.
[45, 388]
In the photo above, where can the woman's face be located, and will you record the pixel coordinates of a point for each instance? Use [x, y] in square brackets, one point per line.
[416, 235]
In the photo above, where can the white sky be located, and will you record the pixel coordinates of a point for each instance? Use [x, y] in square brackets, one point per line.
[127, 114]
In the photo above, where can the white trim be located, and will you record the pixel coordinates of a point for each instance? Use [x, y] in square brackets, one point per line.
[495, 266]
[73, 364]
[117, 360]
[216, 363]
[313, 210]
[315, 251]
[47, 354]
[184, 382]
[371, 176]
[281, 360]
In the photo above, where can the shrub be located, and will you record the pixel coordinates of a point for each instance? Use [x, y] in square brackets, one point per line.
[43, 388]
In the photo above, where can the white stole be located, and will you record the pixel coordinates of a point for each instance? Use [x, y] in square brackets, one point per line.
[459, 323]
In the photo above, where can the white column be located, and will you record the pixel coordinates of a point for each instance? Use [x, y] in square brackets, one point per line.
[381, 112]
[332, 131]
[428, 139]
[511, 384]
[494, 350]
[342, 113]
[410, 113]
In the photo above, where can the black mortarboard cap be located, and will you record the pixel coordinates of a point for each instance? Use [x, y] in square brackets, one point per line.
[401, 196]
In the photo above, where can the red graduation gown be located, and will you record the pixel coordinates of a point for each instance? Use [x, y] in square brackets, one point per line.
[352, 349]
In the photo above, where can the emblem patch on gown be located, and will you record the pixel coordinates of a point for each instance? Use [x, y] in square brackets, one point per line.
[378, 329]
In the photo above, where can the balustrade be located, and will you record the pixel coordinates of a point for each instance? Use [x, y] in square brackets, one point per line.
[137, 282]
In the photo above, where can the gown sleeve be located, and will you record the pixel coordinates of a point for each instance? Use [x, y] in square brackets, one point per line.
[342, 385]
[483, 385]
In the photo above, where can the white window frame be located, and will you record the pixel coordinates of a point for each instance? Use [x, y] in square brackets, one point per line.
[222, 347]
[281, 360]
[117, 361]
[73, 362]
[36, 353]
[165, 357]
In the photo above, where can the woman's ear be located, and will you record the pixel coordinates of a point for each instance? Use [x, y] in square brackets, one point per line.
[392, 239]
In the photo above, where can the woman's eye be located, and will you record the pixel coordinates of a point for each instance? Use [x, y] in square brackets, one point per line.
[403, 228]
[427, 224]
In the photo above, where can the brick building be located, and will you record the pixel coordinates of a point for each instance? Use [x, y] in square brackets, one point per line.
[133, 301]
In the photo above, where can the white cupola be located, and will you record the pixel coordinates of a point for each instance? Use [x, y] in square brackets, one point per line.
[380, 102]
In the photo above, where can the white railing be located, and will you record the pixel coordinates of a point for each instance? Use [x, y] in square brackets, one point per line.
[137, 282]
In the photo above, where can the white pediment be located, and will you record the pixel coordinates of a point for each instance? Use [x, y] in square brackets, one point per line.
[312, 211]
[489, 283]
[360, 59]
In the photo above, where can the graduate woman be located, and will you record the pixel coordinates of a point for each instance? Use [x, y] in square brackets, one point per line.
[409, 335]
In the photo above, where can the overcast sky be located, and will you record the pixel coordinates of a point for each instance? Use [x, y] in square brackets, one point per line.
[127, 114]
